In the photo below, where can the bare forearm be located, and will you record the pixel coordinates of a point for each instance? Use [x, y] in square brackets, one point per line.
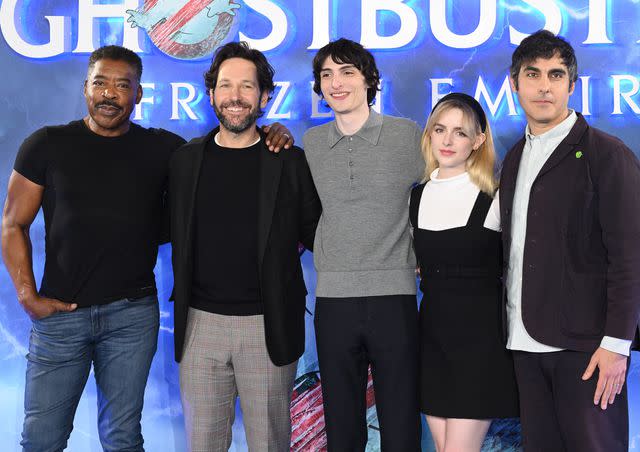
[24, 199]
[16, 252]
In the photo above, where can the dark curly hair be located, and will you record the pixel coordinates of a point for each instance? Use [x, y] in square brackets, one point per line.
[544, 44]
[116, 53]
[242, 50]
[345, 51]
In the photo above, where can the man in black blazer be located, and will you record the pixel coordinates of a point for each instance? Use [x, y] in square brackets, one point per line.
[570, 209]
[238, 212]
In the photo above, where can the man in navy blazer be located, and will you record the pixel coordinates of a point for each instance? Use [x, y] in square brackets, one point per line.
[238, 212]
[570, 209]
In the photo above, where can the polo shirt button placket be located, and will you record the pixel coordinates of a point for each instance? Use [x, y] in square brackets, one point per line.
[350, 163]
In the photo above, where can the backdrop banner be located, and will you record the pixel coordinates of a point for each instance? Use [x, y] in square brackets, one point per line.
[424, 49]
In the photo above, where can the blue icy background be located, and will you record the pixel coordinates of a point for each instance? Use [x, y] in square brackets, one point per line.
[34, 93]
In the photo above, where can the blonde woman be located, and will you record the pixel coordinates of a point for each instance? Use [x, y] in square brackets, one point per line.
[467, 374]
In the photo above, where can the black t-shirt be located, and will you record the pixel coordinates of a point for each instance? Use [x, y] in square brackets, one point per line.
[103, 208]
[225, 273]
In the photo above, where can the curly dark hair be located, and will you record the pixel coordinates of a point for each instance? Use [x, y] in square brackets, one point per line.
[345, 51]
[242, 50]
[116, 53]
[544, 44]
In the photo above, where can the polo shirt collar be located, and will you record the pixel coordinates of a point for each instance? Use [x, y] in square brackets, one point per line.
[370, 130]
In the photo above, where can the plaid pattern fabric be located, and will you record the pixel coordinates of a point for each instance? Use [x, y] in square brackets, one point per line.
[225, 357]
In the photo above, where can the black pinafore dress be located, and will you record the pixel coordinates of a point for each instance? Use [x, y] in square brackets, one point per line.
[465, 369]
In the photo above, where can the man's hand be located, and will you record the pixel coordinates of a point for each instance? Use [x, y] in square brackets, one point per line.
[612, 369]
[278, 137]
[40, 307]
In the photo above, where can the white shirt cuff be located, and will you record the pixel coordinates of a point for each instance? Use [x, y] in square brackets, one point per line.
[616, 345]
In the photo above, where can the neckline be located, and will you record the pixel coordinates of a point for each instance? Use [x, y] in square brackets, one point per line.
[215, 139]
[87, 130]
[464, 177]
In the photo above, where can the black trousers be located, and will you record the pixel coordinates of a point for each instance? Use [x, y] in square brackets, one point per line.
[557, 413]
[352, 333]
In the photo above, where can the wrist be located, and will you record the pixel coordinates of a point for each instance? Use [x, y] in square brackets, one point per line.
[27, 296]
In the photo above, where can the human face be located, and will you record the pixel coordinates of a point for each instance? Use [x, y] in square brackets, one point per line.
[543, 91]
[236, 98]
[452, 142]
[344, 88]
[111, 91]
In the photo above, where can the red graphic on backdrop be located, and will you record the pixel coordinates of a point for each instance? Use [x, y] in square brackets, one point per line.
[307, 416]
[185, 29]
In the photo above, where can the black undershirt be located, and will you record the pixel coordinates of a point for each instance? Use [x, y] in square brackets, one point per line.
[225, 273]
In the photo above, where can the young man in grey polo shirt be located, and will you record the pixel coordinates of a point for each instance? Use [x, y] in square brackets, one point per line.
[364, 165]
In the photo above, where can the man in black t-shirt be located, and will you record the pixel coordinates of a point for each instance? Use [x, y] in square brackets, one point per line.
[101, 183]
[238, 212]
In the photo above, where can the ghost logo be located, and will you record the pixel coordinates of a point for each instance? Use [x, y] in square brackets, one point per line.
[185, 29]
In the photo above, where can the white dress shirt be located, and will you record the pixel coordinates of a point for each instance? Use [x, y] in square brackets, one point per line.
[537, 150]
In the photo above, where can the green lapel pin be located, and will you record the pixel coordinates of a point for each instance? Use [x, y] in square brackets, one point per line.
[578, 154]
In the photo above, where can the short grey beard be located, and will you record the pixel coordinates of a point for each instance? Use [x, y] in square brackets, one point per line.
[249, 121]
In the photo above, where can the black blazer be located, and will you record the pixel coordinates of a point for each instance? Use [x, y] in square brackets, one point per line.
[581, 268]
[288, 213]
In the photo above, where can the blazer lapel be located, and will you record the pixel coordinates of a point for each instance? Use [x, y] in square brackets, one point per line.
[508, 178]
[510, 173]
[193, 177]
[566, 146]
[268, 183]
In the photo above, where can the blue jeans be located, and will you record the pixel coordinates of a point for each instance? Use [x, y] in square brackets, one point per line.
[120, 339]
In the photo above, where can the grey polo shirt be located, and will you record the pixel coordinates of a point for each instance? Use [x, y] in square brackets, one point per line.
[363, 246]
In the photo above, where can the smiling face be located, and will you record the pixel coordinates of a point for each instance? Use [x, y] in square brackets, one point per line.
[452, 140]
[344, 88]
[543, 89]
[111, 91]
[236, 97]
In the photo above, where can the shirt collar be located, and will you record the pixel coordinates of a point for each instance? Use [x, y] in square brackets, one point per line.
[559, 131]
[370, 130]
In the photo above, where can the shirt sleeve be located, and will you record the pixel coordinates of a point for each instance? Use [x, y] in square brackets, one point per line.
[171, 142]
[31, 160]
[617, 181]
[420, 163]
[493, 216]
[410, 225]
[613, 344]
